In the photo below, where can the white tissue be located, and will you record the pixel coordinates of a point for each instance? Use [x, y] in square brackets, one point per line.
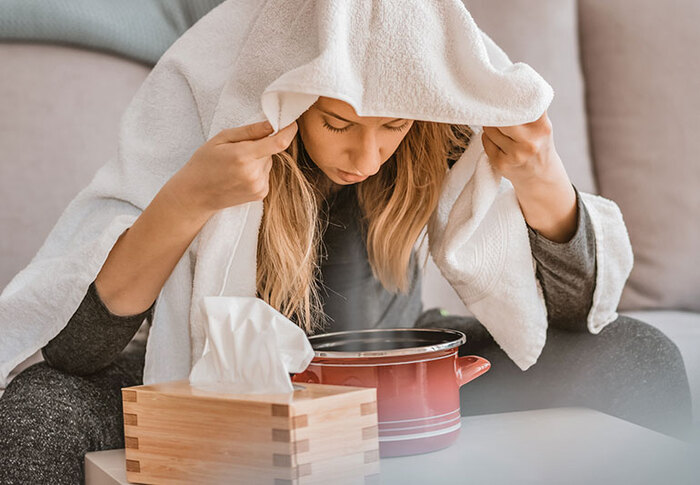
[250, 347]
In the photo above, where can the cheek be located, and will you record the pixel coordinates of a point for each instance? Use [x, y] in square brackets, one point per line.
[319, 147]
[391, 146]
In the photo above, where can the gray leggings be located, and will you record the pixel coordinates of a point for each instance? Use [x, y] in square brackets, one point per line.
[50, 419]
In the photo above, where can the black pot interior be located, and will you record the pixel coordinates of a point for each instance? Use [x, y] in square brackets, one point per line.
[382, 340]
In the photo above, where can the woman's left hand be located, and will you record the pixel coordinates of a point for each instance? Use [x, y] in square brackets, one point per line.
[525, 155]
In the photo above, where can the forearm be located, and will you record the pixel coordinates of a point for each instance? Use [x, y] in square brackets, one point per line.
[567, 273]
[549, 204]
[145, 255]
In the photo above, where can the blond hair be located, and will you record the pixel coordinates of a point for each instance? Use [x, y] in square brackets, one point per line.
[396, 204]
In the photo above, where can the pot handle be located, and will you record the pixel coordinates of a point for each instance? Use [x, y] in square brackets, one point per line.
[306, 376]
[469, 367]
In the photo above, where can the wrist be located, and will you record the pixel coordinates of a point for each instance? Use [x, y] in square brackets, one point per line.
[183, 201]
[549, 206]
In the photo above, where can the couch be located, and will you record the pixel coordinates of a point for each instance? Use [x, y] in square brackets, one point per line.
[624, 116]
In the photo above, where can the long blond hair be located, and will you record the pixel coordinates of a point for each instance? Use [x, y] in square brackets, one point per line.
[395, 203]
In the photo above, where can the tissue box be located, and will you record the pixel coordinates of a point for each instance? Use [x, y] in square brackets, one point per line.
[318, 433]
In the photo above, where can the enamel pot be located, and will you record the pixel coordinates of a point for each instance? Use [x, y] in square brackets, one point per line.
[417, 374]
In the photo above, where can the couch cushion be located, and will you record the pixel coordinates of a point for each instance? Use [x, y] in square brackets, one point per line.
[138, 29]
[642, 69]
[60, 112]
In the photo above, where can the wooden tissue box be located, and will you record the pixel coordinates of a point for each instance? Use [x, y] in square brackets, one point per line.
[319, 433]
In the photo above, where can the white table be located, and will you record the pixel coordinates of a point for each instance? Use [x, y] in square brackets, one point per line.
[549, 446]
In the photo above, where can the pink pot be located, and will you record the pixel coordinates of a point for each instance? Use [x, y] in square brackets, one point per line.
[416, 372]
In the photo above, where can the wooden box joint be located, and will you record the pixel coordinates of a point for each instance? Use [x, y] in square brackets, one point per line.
[131, 442]
[131, 419]
[368, 408]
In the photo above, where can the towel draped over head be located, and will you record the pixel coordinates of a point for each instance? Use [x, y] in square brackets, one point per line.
[247, 61]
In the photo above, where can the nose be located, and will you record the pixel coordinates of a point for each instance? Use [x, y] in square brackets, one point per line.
[367, 158]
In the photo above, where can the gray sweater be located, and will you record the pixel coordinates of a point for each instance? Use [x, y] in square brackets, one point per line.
[352, 297]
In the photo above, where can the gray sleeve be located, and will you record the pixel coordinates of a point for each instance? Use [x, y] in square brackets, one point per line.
[93, 337]
[567, 272]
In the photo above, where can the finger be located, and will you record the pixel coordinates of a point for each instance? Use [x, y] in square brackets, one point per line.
[505, 143]
[268, 165]
[516, 133]
[253, 131]
[493, 153]
[269, 145]
[491, 149]
[525, 131]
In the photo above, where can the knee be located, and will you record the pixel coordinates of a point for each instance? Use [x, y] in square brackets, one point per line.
[627, 352]
[41, 384]
[655, 372]
[37, 403]
[643, 343]
[46, 409]
[647, 357]
[97, 396]
[626, 339]
[44, 429]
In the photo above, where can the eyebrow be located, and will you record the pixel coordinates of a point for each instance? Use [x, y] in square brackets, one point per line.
[341, 118]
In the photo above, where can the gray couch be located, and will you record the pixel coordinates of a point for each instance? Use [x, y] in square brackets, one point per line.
[624, 117]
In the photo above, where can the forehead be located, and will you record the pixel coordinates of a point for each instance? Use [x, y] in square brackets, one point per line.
[337, 105]
[346, 111]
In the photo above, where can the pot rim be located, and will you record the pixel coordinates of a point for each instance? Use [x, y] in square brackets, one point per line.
[459, 339]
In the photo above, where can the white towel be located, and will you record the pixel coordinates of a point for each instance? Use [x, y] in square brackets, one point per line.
[246, 61]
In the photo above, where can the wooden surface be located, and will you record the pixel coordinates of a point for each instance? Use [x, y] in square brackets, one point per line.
[550, 446]
[175, 433]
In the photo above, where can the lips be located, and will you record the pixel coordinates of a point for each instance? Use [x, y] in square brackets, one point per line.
[348, 177]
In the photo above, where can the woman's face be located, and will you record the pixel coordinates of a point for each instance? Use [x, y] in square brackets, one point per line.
[346, 147]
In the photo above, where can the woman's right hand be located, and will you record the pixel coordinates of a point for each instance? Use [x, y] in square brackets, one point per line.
[232, 168]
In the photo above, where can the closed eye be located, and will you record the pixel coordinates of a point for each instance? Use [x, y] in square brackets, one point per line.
[333, 128]
[398, 128]
[341, 130]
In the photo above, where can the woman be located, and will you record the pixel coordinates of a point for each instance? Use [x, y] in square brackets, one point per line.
[345, 198]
